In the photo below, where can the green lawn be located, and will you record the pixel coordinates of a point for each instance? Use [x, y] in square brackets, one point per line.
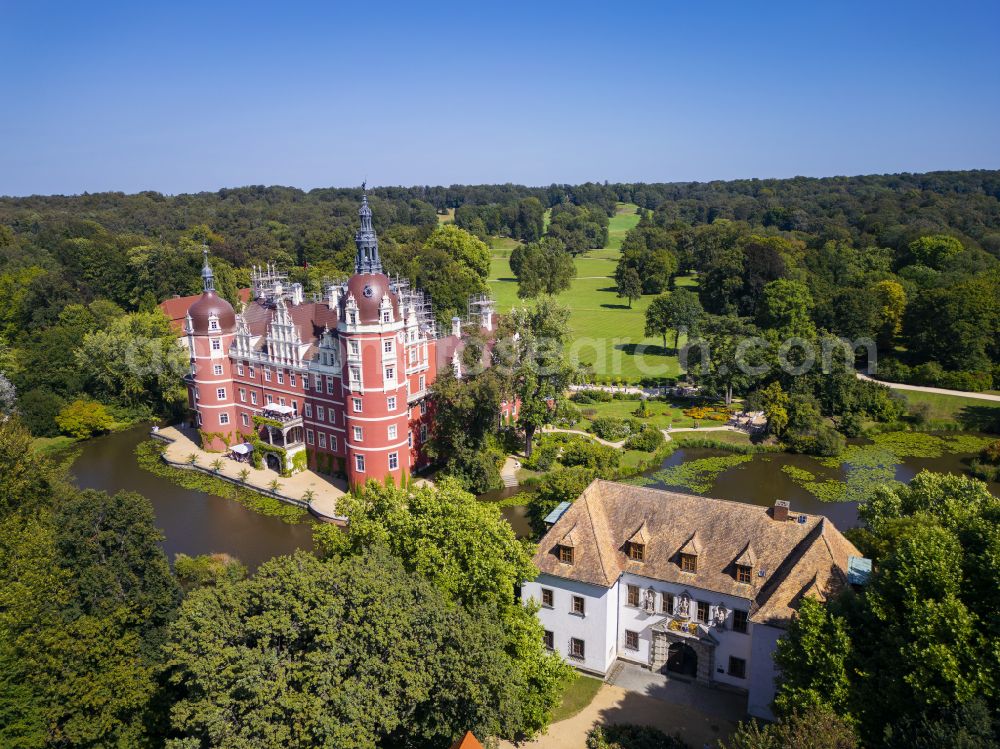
[51, 445]
[579, 693]
[603, 330]
[624, 219]
[971, 413]
[664, 415]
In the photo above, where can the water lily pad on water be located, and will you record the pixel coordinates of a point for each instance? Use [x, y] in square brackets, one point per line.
[698, 475]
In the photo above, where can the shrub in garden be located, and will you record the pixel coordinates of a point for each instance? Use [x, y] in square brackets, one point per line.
[649, 439]
[611, 428]
[626, 736]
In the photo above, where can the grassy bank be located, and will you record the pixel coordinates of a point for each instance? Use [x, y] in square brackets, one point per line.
[148, 455]
[579, 693]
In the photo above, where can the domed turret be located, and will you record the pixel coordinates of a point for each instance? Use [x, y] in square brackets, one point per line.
[211, 313]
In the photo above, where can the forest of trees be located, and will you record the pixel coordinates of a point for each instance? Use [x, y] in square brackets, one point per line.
[909, 260]
[370, 641]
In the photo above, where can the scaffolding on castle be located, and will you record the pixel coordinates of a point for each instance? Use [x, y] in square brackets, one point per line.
[420, 301]
[268, 283]
[479, 304]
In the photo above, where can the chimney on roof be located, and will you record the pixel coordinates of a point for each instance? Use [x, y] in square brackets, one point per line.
[456, 326]
[780, 511]
[298, 296]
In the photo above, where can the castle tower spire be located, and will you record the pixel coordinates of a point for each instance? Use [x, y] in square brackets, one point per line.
[207, 277]
[367, 259]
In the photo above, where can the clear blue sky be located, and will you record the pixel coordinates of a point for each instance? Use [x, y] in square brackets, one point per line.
[179, 97]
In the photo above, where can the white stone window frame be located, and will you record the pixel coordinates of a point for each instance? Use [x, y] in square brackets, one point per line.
[220, 394]
[393, 461]
[359, 463]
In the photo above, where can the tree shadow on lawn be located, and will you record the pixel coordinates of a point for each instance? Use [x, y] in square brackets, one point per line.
[612, 289]
[616, 306]
[644, 349]
[980, 418]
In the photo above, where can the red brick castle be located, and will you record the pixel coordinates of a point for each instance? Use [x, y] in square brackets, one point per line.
[338, 383]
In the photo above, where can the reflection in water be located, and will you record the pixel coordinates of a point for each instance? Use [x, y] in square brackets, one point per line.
[193, 522]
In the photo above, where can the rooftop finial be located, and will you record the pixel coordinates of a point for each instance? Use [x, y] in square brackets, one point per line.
[207, 277]
[367, 259]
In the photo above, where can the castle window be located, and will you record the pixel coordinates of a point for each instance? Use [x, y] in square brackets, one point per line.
[331, 415]
[566, 554]
[409, 438]
[578, 605]
[392, 431]
[547, 598]
[268, 398]
[423, 408]
[216, 344]
[333, 442]
[309, 410]
[217, 369]
[253, 397]
[386, 316]
[740, 621]
[356, 402]
[743, 574]
[223, 418]
[310, 437]
[393, 461]
[737, 667]
[390, 373]
[636, 552]
[220, 393]
[423, 433]
[576, 649]
[421, 383]
[352, 318]
[318, 383]
[359, 463]
[281, 377]
[355, 348]
[633, 595]
[322, 439]
[267, 375]
[667, 603]
[703, 611]
[243, 395]
[291, 379]
[390, 403]
[358, 434]
[320, 413]
[329, 384]
[239, 369]
[387, 346]
[245, 419]
[689, 563]
[213, 324]
[252, 375]
[548, 639]
[631, 640]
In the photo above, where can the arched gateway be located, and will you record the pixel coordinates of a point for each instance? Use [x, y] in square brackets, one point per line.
[682, 660]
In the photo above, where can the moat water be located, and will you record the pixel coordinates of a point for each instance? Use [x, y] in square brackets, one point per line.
[195, 522]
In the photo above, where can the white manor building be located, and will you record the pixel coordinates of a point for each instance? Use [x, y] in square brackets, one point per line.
[685, 585]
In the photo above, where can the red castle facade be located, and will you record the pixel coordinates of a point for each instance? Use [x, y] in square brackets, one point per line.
[338, 383]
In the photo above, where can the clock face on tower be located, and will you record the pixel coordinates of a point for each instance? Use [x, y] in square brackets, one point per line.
[368, 291]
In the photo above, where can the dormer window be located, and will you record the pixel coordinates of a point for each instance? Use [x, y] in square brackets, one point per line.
[565, 546]
[688, 554]
[744, 564]
[352, 318]
[635, 547]
[213, 323]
